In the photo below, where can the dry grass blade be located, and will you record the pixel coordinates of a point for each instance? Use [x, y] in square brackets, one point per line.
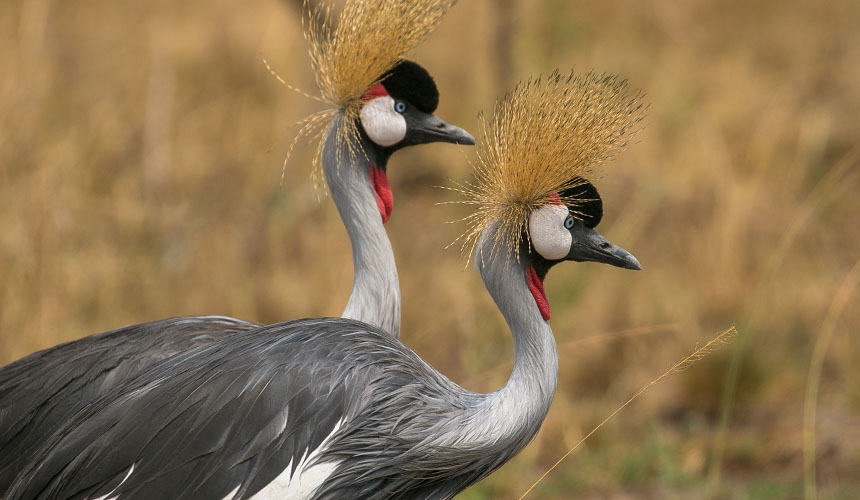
[700, 352]
[545, 136]
[813, 381]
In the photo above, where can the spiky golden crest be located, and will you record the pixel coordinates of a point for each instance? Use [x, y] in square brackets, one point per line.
[368, 39]
[546, 135]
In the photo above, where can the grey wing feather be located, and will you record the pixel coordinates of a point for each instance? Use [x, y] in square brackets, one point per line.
[230, 416]
[41, 392]
[231, 413]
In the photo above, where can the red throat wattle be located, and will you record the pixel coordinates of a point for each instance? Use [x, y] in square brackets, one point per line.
[382, 192]
[536, 287]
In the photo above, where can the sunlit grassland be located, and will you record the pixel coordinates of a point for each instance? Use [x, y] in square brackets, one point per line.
[140, 154]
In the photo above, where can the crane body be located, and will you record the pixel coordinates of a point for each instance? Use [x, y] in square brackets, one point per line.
[40, 392]
[319, 408]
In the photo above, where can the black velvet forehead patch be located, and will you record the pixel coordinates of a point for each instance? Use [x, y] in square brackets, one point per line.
[412, 83]
[589, 207]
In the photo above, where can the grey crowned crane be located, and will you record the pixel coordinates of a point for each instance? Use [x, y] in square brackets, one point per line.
[397, 112]
[42, 391]
[331, 408]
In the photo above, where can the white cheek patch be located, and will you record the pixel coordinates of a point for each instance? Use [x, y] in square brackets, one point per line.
[383, 125]
[547, 232]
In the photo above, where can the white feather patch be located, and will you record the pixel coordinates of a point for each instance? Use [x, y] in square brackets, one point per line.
[305, 481]
[383, 125]
[547, 232]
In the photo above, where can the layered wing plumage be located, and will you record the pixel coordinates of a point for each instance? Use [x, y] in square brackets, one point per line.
[226, 419]
[41, 392]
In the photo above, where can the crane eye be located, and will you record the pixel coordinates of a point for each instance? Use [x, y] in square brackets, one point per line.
[400, 106]
[568, 223]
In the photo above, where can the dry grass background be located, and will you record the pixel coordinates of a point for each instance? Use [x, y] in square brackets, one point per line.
[140, 151]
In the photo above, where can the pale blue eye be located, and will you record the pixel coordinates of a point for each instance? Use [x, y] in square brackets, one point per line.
[400, 106]
[568, 223]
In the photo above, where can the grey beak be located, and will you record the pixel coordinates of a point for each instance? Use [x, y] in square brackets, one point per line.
[589, 245]
[426, 127]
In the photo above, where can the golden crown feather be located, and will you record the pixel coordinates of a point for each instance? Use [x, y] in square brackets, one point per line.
[350, 55]
[545, 136]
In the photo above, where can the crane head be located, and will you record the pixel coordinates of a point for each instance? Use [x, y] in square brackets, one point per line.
[398, 111]
[564, 231]
[530, 195]
[560, 231]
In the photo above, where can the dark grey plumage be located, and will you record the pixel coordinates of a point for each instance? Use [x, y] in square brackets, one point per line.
[42, 391]
[236, 412]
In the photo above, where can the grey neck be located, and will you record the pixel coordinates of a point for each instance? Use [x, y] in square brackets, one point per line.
[511, 416]
[375, 297]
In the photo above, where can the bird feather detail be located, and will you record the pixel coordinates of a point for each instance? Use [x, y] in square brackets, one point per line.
[547, 135]
[350, 55]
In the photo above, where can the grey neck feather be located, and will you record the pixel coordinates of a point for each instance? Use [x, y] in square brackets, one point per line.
[511, 416]
[375, 297]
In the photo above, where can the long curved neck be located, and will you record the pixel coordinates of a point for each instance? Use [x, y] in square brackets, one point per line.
[375, 297]
[507, 419]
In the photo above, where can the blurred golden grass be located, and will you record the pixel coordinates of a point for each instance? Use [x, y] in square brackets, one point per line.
[141, 148]
[712, 345]
[813, 382]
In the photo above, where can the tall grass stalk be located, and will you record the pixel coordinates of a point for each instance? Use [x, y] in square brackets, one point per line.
[813, 380]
